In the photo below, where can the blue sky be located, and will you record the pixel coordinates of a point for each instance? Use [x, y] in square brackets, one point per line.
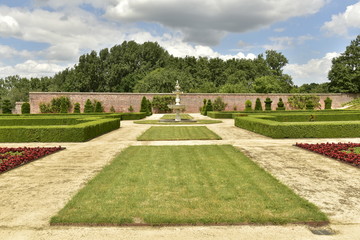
[43, 37]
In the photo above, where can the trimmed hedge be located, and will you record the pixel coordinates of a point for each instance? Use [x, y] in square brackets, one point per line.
[84, 131]
[266, 125]
[39, 121]
[133, 116]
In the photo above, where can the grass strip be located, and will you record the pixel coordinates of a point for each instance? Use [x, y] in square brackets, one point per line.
[157, 133]
[195, 185]
[177, 123]
[172, 116]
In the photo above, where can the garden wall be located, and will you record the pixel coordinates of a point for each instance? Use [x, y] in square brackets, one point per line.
[193, 101]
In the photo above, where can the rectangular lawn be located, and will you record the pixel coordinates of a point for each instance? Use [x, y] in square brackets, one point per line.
[178, 133]
[161, 185]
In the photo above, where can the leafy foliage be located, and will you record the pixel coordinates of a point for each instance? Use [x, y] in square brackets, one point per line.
[89, 107]
[25, 108]
[345, 71]
[280, 105]
[328, 103]
[268, 104]
[219, 105]
[77, 108]
[6, 107]
[248, 105]
[258, 106]
[144, 105]
[160, 103]
[98, 107]
[300, 101]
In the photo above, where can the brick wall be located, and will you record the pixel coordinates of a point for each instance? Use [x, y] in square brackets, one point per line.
[193, 101]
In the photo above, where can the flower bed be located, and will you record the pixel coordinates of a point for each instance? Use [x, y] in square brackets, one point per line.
[14, 157]
[347, 152]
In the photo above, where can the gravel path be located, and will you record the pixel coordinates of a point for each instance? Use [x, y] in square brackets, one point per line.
[32, 194]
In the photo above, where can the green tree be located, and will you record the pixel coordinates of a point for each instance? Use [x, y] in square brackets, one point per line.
[258, 106]
[219, 104]
[344, 75]
[6, 107]
[25, 108]
[144, 105]
[77, 107]
[98, 107]
[276, 61]
[89, 107]
[248, 105]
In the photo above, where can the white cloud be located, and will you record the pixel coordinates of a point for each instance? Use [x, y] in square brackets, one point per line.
[314, 71]
[340, 24]
[206, 22]
[8, 52]
[31, 68]
[281, 43]
[8, 25]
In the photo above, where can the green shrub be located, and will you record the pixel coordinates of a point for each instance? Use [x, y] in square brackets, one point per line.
[60, 104]
[330, 129]
[131, 109]
[149, 107]
[258, 106]
[219, 105]
[77, 108]
[133, 116]
[6, 107]
[25, 108]
[209, 107]
[300, 101]
[248, 106]
[98, 107]
[89, 107]
[160, 103]
[112, 109]
[280, 105]
[144, 105]
[83, 131]
[309, 105]
[328, 103]
[268, 104]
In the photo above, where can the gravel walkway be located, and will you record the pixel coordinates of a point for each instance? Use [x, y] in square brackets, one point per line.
[32, 194]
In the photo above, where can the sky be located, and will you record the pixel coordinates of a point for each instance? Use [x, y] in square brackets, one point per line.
[42, 37]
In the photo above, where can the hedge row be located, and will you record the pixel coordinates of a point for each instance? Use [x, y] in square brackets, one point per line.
[39, 121]
[233, 114]
[266, 126]
[74, 133]
[318, 117]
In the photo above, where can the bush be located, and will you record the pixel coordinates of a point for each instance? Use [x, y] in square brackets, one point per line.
[258, 106]
[280, 105]
[131, 109]
[25, 108]
[209, 107]
[112, 109]
[6, 107]
[328, 103]
[248, 105]
[149, 107]
[77, 108]
[144, 105]
[300, 101]
[309, 105]
[89, 107]
[160, 103]
[219, 105]
[60, 105]
[45, 108]
[98, 107]
[132, 116]
[268, 104]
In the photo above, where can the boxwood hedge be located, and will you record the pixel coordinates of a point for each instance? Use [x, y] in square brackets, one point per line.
[52, 130]
[343, 125]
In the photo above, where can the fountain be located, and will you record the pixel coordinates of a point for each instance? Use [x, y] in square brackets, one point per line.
[177, 107]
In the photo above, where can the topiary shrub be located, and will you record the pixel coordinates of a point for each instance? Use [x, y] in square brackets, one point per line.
[98, 107]
[149, 107]
[89, 107]
[203, 108]
[219, 105]
[280, 105]
[6, 107]
[209, 107]
[328, 103]
[160, 103]
[258, 106]
[248, 105]
[25, 108]
[309, 105]
[268, 104]
[112, 109]
[131, 109]
[63, 107]
[77, 108]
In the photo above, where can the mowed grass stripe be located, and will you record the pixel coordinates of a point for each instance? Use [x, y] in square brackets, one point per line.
[159, 185]
[157, 133]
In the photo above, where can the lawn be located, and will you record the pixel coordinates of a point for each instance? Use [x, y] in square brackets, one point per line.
[172, 116]
[177, 123]
[162, 185]
[158, 133]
